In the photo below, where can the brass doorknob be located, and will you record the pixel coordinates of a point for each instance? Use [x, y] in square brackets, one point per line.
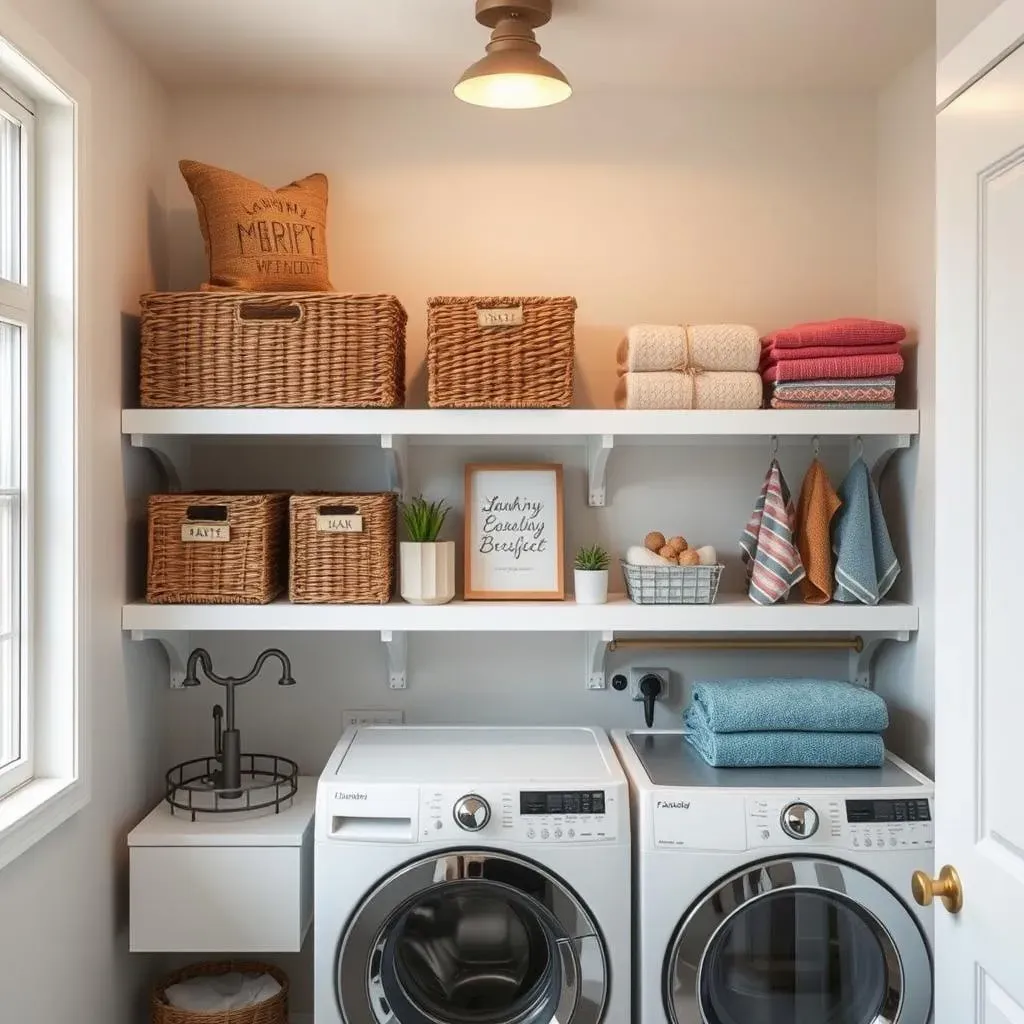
[947, 887]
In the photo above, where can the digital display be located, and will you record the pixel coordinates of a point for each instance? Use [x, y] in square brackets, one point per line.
[575, 802]
[887, 811]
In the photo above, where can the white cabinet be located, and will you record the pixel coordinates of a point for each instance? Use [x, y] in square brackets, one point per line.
[223, 884]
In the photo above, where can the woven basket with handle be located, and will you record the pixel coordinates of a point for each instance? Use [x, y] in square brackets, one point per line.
[270, 1011]
[289, 349]
[216, 548]
[342, 548]
[500, 352]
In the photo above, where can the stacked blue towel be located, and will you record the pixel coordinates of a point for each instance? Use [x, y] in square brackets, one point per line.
[786, 723]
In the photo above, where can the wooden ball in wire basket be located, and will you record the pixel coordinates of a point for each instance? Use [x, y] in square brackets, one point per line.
[271, 1011]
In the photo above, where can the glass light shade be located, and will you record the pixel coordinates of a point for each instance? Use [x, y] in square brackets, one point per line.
[513, 80]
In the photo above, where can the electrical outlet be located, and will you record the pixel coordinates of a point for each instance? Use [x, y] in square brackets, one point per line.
[372, 716]
[636, 674]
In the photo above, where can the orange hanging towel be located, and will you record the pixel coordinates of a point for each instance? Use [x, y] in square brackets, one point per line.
[818, 504]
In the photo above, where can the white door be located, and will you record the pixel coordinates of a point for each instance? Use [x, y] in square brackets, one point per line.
[979, 566]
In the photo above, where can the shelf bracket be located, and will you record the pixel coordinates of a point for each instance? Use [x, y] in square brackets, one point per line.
[395, 450]
[171, 453]
[396, 645]
[177, 647]
[597, 648]
[862, 662]
[599, 448]
[877, 451]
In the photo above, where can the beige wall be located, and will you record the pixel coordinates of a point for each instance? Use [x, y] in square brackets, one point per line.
[63, 947]
[956, 18]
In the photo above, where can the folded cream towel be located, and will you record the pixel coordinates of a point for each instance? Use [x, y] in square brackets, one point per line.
[688, 391]
[649, 348]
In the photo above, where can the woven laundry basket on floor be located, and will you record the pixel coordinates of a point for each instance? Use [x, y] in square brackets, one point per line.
[270, 1011]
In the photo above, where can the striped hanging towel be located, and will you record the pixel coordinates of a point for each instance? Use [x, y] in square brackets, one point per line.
[773, 561]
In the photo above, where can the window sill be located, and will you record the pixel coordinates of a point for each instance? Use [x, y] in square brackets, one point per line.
[34, 811]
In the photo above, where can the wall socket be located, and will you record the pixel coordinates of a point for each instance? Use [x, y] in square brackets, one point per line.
[636, 674]
[372, 716]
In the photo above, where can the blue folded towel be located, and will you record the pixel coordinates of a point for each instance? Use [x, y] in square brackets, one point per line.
[788, 749]
[796, 705]
[866, 564]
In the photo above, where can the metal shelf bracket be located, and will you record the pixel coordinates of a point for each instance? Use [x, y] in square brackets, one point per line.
[862, 662]
[396, 645]
[596, 649]
[171, 453]
[599, 448]
[396, 449]
[177, 647]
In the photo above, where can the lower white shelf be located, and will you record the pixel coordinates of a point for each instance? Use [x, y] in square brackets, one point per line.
[731, 614]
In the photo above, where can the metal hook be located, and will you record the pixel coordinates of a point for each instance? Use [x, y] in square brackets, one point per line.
[815, 446]
[860, 447]
[775, 447]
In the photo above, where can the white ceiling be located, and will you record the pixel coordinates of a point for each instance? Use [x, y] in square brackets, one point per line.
[620, 44]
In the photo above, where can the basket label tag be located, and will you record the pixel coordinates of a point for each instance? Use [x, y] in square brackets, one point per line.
[205, 533]
[510, 316]
[339, 524]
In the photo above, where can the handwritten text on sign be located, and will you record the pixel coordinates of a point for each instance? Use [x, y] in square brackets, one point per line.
[512, 525]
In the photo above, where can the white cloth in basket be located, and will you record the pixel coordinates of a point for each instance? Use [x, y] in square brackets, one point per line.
[216, 993]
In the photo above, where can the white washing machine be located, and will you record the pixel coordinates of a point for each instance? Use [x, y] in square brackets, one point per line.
[472, 874]
[777, 895]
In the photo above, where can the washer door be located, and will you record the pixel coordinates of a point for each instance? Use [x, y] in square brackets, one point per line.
[802, 941]
[471, 937]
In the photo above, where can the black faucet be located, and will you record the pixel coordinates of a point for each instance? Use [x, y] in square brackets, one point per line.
[227, 740]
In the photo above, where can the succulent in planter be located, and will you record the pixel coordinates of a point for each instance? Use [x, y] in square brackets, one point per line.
[591, 559]
[424, 519]
[591, 575]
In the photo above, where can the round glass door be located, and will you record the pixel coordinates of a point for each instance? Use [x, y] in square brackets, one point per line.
[801, 942]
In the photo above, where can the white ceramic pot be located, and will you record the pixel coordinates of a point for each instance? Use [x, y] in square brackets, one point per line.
[428, 572]
[591, 586]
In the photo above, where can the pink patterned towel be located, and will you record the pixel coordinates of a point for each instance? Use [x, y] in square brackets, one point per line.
[781, 403]
[773, 561]
[847, 331]
[840, 368]
[771, 354]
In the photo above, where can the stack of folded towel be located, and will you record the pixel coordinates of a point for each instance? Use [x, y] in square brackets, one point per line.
[786, 723]
[712, 366]
[836, 364]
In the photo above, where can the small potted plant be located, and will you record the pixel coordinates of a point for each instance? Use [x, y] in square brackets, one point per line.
[591, 575]
[427, 564]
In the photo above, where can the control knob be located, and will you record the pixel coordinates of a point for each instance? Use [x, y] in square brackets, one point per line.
[799, 821]
[472, 813]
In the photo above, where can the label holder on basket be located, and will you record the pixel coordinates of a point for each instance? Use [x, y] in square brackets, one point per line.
[338, 519]
[499, 316]
[206, 524]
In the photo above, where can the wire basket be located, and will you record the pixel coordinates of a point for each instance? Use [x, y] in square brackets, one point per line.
[672, 584]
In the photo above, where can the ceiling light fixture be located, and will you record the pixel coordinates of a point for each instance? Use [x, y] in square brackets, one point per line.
[513, 75]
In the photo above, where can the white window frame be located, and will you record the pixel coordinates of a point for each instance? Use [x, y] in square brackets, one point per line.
[17, 305]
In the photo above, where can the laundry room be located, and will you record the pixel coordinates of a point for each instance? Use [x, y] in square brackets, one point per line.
[477, 544]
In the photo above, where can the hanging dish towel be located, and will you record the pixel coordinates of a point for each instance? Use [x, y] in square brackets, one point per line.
[696, 390]
[649, 348]
[773, 561]
[866, 564]
[814, 511]
[786, 705]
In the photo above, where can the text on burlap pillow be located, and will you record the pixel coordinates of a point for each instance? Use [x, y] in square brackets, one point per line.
[258, 238]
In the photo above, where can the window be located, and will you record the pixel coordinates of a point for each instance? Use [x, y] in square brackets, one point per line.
[16, 317]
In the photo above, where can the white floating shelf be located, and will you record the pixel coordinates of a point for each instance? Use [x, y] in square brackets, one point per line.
[732, 614]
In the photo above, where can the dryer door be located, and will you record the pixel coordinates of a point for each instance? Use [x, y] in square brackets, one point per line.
[803, 941]
[471, 937]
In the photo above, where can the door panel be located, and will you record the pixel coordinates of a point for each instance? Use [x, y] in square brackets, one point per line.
[980, 496]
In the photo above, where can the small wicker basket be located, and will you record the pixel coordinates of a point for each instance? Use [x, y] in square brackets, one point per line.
[216, 548]
[672, 584]
[500, 353]
[342, 548]
[295, 349]
[271, 1011]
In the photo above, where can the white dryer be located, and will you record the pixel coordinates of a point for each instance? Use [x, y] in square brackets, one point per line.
[472, 875]
[777, 895]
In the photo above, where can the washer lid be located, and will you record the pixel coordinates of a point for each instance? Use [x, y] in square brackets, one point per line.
[670, 761]
[470, 753]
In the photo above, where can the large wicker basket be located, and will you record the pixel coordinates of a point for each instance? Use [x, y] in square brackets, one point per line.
[216, 548]
[342, 548]
[500, 353]
[270, 1011]
[245, 350]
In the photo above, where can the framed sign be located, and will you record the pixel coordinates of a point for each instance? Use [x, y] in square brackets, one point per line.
[514, 545]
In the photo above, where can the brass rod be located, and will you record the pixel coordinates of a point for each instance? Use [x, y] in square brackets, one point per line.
[680, 644]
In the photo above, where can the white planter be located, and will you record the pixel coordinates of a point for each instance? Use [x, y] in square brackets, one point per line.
[591, 586]
[427, 572]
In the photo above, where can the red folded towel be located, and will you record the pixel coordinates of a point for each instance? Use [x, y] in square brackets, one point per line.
[847, 331]
[841, 368]
[771, 354]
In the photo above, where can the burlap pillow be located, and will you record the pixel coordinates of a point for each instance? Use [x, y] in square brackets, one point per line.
[258, 238]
